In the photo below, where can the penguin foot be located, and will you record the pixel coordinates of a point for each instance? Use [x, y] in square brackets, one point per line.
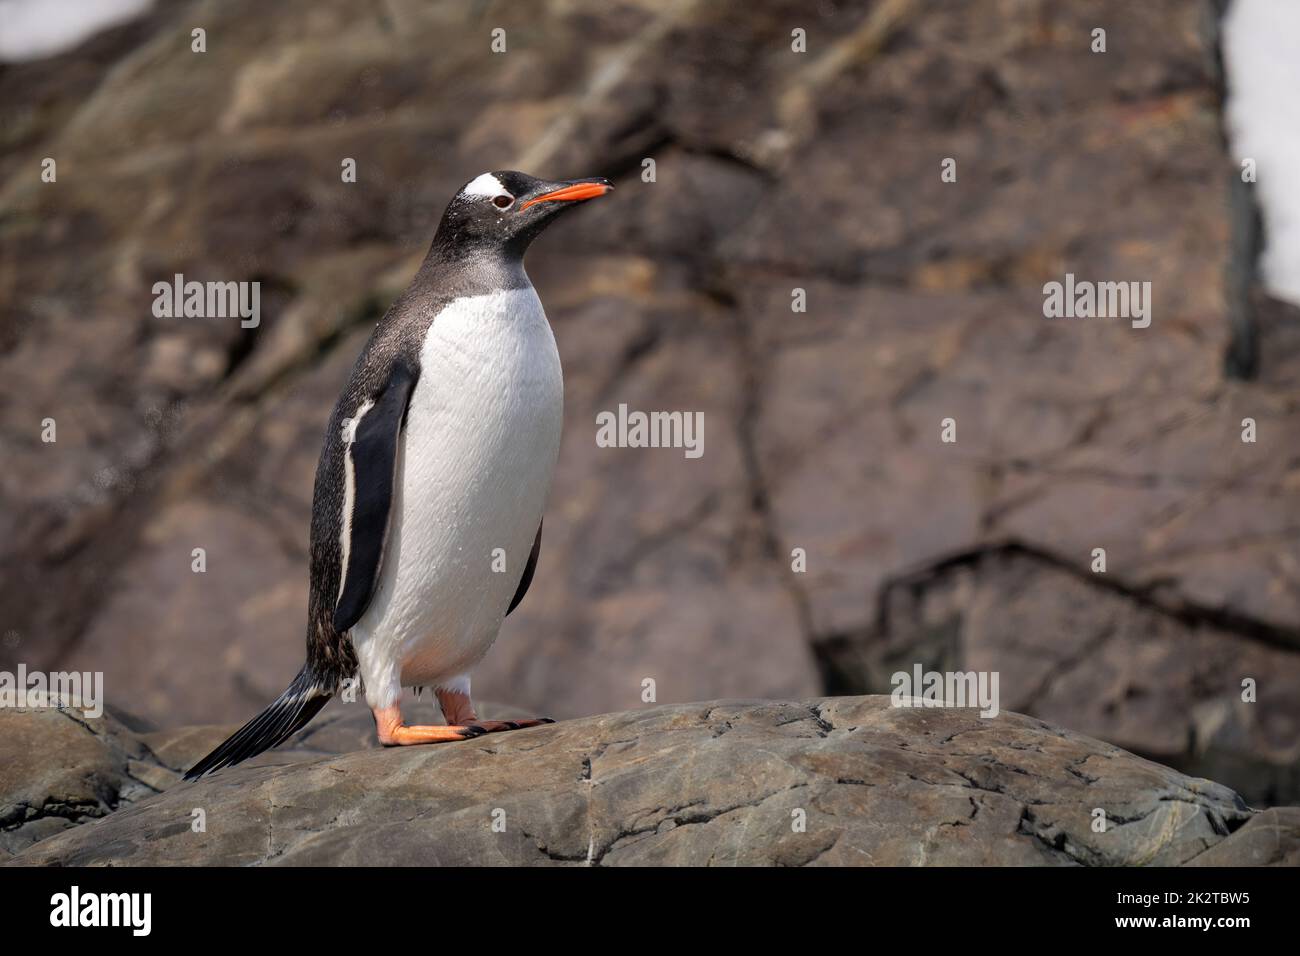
[418, 734]
[393, 733]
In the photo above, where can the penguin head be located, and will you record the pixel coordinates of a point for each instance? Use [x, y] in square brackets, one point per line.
[505, 211]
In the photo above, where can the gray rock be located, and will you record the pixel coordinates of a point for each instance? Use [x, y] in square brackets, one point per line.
[1268, 839]
[1079, 649]
[827, 781]
[59, 769]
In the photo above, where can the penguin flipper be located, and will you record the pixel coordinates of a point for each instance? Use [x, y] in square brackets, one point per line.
[529, 569]
[371, 459]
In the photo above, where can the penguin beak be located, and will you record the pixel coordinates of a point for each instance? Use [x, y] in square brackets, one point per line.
[575, 190]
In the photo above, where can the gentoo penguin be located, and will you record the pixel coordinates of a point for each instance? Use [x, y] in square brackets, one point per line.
[436, 467]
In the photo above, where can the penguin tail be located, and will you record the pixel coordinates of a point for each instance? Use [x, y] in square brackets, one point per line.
[290, 712]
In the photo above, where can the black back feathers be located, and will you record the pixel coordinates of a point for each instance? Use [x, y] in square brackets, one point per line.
[373, 458]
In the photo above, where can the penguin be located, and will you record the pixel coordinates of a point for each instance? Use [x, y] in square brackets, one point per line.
[435, 469]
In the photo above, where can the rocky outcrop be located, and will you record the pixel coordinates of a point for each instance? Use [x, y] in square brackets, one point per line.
[824, 781]
[1142, 669]
[774, 171]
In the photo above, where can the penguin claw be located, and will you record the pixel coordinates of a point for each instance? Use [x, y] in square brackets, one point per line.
[500, 726]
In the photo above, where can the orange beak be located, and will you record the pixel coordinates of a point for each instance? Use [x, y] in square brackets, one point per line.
[571, 193]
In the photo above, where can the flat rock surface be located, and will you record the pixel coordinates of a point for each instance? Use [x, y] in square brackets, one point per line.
[820, 781]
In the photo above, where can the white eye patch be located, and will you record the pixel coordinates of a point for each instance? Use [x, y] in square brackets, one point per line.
[485, 185]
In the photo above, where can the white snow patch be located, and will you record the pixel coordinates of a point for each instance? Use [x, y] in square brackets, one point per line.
[32, 29]
[1261, 51]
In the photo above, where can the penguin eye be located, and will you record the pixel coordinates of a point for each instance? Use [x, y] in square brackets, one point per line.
[503, 201]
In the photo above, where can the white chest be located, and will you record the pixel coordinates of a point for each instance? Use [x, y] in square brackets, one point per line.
[474, 469]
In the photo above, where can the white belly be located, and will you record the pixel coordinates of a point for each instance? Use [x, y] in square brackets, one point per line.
[473, 471]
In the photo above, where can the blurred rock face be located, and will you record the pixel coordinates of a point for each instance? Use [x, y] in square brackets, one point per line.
[773, 171]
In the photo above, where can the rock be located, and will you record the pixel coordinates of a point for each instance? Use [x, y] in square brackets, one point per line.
[824, 781]
[1154, 677]
[59, 769]
[1267, 839]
